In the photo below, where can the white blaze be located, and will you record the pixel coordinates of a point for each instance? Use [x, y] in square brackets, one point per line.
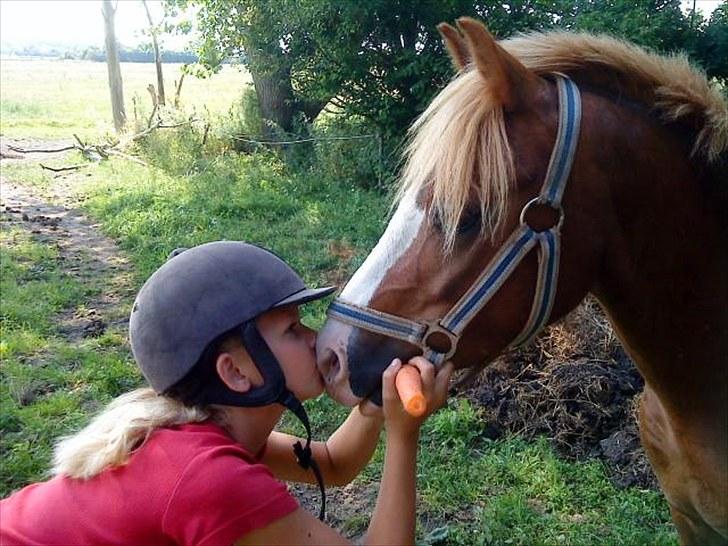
[401, 231]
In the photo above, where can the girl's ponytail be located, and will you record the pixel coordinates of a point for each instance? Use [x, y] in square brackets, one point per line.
[124, 425]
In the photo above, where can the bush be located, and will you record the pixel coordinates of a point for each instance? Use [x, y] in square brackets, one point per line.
[334, 147]
[244, 121]
[349, 150]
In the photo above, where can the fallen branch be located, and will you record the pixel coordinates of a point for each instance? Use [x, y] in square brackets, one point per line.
[180, 124]
[61, 169]
[78, 139]
[157, 125]
[41, 150]
[98, 152]
[127, 157]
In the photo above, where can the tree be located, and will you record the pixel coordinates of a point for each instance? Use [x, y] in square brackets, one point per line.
[712, 46]
[153, 31]
[116, 86]
[383, 60]
[658, 24]
[251, 31]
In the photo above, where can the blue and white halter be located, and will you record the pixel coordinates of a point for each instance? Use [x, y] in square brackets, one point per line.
[521, 241]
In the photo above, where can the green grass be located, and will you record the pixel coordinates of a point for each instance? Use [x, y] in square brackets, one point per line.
[29, 174]
[54, 99]
[49, 386]
[236, 197]
[514, 492]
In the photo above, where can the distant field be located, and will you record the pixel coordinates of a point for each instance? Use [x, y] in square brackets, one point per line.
[42, 98]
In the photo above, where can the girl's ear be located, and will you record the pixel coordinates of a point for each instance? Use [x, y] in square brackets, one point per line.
[232, 373]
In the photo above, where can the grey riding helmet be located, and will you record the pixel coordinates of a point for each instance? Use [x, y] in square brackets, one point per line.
[203, 292]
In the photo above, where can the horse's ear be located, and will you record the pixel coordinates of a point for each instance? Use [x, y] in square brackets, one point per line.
[455, 46]
[507, 78]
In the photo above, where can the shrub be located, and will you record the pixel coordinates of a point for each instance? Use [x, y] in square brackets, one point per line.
[349, 150]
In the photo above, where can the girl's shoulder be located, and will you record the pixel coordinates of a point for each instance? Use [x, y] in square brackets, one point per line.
[222, 491]
[181, 444]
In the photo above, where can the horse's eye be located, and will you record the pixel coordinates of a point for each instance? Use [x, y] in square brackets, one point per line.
[468, 221]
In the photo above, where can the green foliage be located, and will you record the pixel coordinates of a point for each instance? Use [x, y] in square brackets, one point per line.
[657, 24]
[383, 60]
[380, 60]
[712, 45]
[249, 114]
[334, 147]
[350, 149]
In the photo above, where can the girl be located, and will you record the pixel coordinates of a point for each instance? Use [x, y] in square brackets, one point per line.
[194, 459]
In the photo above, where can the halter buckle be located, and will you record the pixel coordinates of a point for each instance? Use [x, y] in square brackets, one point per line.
[542, 201]
[437, 334]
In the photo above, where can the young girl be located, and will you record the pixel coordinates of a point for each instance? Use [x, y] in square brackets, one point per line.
[216, 331]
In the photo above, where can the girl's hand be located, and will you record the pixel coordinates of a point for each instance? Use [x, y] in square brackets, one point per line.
[434, 387]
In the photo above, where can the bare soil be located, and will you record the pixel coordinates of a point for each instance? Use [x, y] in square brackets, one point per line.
[54, 219]
[576, 386]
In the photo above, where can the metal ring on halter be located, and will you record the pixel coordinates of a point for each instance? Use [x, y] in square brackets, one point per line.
[541, 201]
[434, 328]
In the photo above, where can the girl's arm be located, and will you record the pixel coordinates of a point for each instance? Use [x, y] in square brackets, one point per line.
[340, 458]
[393, 521]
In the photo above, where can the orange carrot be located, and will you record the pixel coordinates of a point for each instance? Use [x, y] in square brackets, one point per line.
[409, 387]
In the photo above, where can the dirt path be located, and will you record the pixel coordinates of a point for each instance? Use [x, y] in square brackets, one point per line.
[53, 219]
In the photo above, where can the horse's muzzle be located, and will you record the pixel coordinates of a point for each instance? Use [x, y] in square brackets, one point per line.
[333, 363]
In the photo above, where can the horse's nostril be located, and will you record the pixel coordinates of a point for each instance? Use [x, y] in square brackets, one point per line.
[329, 366]
[334, 367]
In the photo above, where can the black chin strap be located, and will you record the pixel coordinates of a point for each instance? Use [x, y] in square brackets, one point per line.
[274, 390]
[304, 457]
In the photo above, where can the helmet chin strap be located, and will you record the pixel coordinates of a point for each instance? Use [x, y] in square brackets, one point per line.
[274, 390]
[304, 456]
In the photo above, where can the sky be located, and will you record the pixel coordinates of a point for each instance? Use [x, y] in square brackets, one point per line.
[79, 22]
[76, 22]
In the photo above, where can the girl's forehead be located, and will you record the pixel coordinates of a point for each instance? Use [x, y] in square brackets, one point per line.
[280, 315]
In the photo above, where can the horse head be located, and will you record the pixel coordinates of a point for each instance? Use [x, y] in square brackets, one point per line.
[476, 157]
[566, 191]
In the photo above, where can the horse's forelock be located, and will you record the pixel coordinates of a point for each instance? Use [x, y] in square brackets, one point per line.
[459, 139]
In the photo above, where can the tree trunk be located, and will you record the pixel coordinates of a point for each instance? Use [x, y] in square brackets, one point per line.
[157, 56]
[278, 102]
[275, 99]
[112, 63]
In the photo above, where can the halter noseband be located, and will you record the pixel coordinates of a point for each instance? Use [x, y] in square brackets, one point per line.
[439, 338]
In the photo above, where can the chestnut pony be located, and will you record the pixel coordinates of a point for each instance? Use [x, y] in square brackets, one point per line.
[641, 226]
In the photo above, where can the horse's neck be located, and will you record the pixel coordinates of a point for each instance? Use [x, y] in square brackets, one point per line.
[663, 282]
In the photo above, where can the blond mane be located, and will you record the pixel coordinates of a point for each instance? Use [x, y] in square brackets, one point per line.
[461, 136]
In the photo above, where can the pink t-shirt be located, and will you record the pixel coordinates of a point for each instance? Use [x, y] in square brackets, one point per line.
[186, 485]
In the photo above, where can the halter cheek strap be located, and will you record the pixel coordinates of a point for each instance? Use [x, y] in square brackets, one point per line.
[439, 339]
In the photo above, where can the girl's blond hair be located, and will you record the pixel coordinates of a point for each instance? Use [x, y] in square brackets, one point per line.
[123, 426]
